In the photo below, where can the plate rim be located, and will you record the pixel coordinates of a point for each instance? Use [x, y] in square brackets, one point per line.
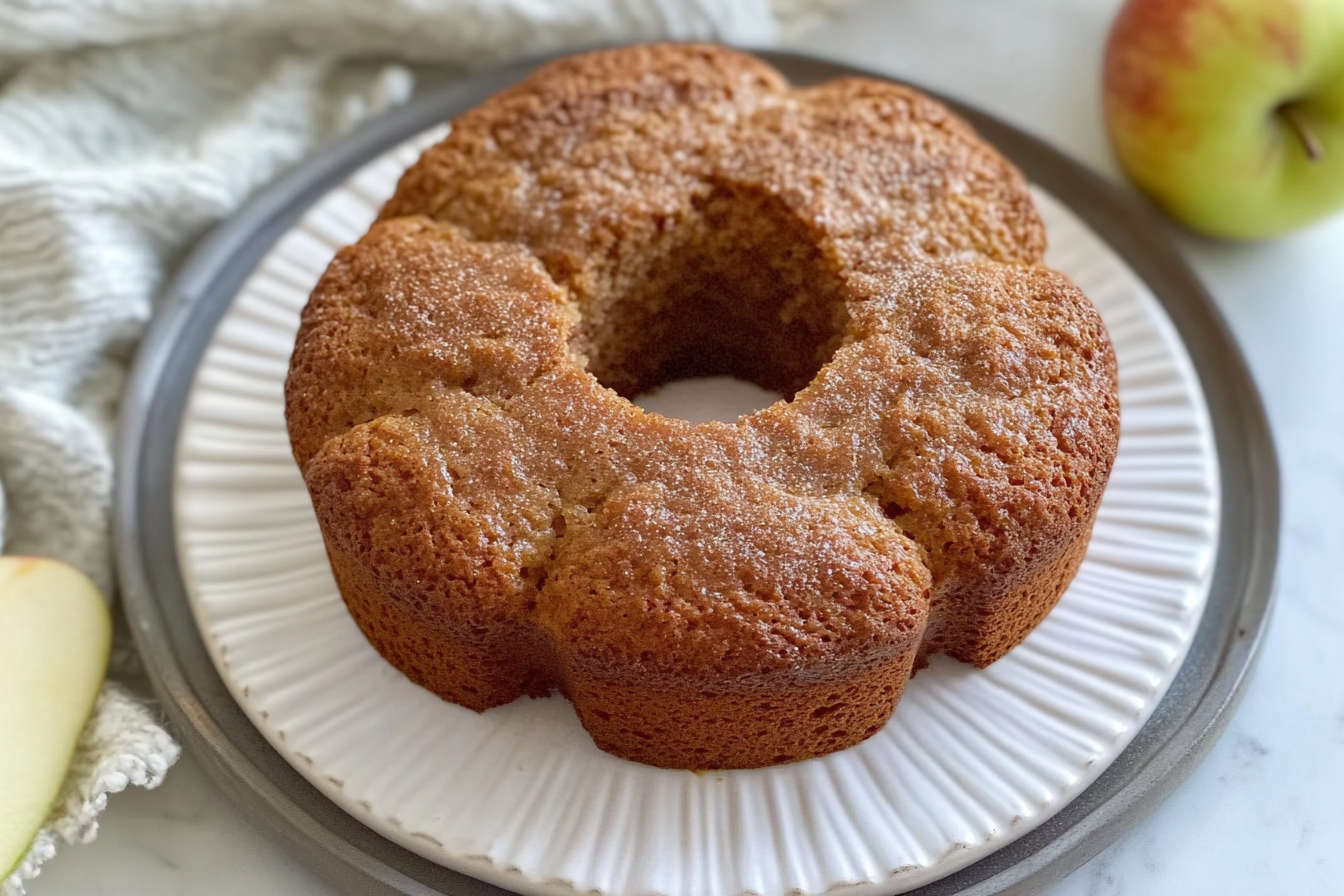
[355, 859]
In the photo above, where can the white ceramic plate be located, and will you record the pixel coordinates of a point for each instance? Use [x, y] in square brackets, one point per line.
[519, 796]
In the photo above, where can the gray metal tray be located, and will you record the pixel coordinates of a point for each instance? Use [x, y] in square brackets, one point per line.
[359, 861]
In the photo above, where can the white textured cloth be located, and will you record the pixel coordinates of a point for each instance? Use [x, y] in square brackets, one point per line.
[129, 127]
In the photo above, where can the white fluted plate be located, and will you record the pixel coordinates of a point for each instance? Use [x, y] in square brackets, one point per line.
[519, 796]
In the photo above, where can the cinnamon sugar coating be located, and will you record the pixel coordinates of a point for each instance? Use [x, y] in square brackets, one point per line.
[502, 520]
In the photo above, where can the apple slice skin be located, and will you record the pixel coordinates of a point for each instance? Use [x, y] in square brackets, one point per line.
[55, 635]
[1194, 96]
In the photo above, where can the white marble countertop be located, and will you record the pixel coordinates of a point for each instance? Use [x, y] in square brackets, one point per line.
[1265, 812]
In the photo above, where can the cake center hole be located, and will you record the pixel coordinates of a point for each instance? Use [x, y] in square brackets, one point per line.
[706, 398]
[735, 287]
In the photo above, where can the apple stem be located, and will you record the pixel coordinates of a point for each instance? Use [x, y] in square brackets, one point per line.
[1294, 120]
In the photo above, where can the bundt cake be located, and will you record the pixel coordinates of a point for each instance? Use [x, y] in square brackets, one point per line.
[502, 520]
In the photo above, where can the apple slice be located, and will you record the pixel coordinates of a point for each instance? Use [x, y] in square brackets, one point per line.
[55, 634]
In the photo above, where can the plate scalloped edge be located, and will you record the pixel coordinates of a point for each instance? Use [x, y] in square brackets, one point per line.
[521, 798]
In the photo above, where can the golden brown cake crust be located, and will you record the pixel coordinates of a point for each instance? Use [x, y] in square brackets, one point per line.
[503, 521]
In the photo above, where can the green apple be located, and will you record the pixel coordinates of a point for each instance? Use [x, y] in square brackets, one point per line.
[55, 634]
[1230, 113]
